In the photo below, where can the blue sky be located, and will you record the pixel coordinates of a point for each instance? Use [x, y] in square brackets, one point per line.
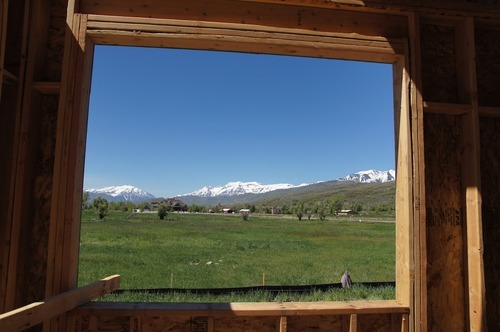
[172, 121]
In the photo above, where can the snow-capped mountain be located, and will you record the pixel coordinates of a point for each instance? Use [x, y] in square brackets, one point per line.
[120, 193]
[371, 176]
[239, 188]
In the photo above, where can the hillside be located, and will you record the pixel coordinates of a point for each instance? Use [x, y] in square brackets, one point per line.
[368, 194]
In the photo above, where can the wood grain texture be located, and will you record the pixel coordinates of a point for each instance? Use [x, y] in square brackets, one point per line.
[490, 178]
[438, 60]
[315, 19]
[444, 224]
[488, 66]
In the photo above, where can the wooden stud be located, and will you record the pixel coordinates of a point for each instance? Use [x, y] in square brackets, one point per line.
[282, 327]
[467, 86]
[353, 323]
[419, 241]
[4, 10]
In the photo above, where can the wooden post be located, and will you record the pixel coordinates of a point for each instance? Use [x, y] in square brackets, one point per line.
[467, 86]
[419, 241]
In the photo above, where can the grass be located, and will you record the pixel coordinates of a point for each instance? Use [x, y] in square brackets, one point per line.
[218, 251]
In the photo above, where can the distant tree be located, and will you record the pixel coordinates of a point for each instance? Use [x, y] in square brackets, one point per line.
[356, 206]
[309, 211]
[101, 205]
[299, 210]
[336, 205]
[162, 211]
[130, 206]
[320, 210]
[85, 200]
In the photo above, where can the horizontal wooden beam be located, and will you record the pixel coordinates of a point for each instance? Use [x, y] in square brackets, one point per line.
[134, 31]
[48, 88]
[446, 108]
[441, 8]
[241, 309]
[492, 112]
[264, 14]
[459, 109]
[37, 312]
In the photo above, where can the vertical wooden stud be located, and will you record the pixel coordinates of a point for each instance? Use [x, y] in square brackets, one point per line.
[353, 323]
[4, 10]
[471, 178]
[419, 253]
[282, 324]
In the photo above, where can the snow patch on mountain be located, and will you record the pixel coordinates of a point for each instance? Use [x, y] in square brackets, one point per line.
[371, 176]
[121, 193]
[239, 188]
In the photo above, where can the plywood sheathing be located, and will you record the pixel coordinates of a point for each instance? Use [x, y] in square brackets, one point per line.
[55, 46]
[444, 224]
[490, 178]
[438, 58]
[488, 66]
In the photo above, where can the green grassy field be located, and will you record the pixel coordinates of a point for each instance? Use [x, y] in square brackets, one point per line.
[217, 251]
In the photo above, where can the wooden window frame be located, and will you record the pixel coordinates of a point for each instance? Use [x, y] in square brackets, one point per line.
[84, 31]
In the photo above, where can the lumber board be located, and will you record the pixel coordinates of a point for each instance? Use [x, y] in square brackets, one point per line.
[403, 182]
[240, 37]
[34, 313]
[446, 108]
[467, 86]
[490, 182]
[241, 309]
[4, 10]
[441, 8]
[276, 15]
[140, 25]
[47, 87]
[64, 219]
[492, 112]
[418, 250]
[239, 44]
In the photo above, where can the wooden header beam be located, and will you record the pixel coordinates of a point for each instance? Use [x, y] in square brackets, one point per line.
[133, 31]
[448, 8]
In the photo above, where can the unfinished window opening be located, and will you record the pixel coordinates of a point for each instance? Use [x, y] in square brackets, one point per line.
[172, 122]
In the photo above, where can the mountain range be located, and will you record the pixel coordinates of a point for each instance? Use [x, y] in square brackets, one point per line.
[239, 192]
[120, 193]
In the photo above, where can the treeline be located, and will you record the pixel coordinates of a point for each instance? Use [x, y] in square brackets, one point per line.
[301, 209]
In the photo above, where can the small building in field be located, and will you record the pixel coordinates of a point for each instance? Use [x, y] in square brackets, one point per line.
[346, 212]
[172, 204]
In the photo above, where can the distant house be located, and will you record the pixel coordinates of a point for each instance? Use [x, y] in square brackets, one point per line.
[171, 203]
[346, 212]
[227, 210]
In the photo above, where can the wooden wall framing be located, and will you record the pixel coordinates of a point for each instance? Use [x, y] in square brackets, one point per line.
[446, 82]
